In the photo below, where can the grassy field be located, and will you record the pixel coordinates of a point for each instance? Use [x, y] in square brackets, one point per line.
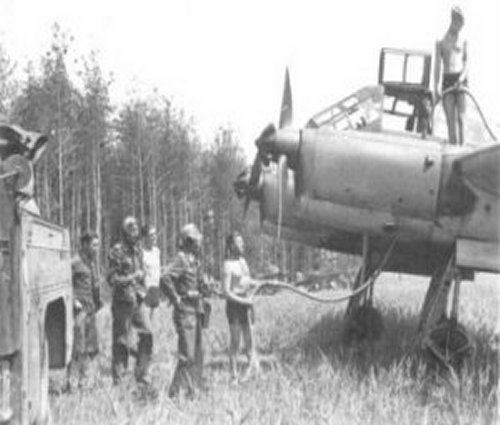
[308, 377]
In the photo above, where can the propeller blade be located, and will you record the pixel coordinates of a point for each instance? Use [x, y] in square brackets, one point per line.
[245, 206]
[240, 185]
[298, 175]
[286, 113]
[266, 133]
[255, 172]
[253, 182]
[263, 154]
[282, 183]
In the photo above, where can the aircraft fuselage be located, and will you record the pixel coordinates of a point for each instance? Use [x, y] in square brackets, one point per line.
[344, 184]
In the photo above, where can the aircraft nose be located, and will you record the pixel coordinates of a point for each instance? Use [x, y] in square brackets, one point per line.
[281, 142]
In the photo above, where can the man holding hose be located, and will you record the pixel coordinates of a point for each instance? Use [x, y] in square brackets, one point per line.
[451, 53]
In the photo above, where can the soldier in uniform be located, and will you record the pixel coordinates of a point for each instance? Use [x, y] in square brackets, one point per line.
[126, 278]
[183, 285]
[87, 301]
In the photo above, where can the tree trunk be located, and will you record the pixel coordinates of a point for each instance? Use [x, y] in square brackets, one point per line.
[46, 190]
[61, 182]
[78, 204]
[74, 218]
[133, 202]
[87, 205]
[141, 184]
[153, 212]
[164, 238]
[96, 165]
[173, 238]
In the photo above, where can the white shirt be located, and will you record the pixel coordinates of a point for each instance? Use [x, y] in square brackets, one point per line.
[239, 274]
[151, 261]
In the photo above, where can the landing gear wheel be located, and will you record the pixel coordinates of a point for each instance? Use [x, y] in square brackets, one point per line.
[448, 344]
[363, 324]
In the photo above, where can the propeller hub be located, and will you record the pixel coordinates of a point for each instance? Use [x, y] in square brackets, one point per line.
[280, 142]
[272, 145]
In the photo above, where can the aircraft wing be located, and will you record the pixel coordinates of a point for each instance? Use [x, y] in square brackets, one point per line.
[481, 169]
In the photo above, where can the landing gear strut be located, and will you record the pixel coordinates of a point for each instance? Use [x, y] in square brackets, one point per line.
[441, 337]
[364, 322]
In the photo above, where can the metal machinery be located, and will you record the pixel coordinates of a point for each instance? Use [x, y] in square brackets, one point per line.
[36, 314]
[405, 200]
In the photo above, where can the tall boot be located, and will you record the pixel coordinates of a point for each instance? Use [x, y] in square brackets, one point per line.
[119, 361]
[182, 380]
[144, 355]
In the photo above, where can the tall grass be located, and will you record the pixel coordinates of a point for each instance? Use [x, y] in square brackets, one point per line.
[308, 375]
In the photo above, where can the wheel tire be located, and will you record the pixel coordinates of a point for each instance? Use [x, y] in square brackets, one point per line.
[453, 343]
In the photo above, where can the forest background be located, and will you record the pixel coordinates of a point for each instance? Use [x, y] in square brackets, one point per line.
[142, 157]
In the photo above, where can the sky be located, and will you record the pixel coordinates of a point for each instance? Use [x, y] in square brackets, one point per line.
[224, 61]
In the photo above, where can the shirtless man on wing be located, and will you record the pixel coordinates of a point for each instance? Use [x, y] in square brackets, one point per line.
[451, 52]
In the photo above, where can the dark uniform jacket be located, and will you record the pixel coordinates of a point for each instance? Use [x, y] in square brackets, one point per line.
[86, 287]
[124, 260]
[182, 276]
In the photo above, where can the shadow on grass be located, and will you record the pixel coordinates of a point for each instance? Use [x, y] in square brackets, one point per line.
[326, 340]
